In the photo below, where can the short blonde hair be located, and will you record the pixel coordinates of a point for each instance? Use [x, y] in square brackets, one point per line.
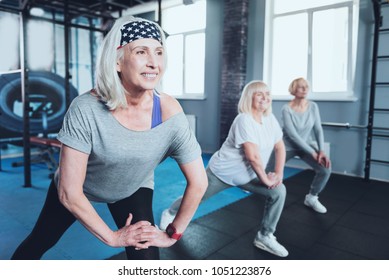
[108, 84]
[246, 99]
[293, 85]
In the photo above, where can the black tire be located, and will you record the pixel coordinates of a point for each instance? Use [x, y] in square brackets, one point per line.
[45, 86]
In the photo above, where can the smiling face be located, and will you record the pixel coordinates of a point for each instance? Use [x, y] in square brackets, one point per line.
[142, 65]
[261, 101]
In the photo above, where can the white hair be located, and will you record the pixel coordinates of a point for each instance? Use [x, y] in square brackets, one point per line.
[246, 99]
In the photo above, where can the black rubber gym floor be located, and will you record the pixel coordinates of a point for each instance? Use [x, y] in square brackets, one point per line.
[356, 225]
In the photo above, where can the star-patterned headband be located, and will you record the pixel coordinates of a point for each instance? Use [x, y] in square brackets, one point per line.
[135, 30]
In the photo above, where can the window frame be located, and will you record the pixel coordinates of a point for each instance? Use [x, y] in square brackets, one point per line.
[348, 94]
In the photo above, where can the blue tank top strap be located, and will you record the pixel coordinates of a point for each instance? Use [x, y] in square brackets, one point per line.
[156, 118]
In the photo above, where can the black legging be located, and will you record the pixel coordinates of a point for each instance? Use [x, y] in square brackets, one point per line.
[55, 219]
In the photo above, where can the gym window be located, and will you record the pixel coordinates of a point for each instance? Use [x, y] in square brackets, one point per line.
[313, 39]
[9, 47]
[184, 76]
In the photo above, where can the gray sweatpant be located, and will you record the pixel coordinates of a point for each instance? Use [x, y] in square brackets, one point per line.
[275, 199]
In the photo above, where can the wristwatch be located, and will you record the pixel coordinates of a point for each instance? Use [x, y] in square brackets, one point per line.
[172, 232]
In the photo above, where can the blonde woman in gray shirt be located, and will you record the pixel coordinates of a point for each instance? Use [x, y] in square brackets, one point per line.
[301, 120]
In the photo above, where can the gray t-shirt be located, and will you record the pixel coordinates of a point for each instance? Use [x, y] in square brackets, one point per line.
[300, 129]
[122, 160]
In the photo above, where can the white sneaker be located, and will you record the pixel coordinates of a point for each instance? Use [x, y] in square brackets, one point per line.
[269, 243]
[313, 202]
[166, 219]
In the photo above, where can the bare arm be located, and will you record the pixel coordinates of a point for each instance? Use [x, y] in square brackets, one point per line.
[280, 156]
[253, 157]
[72, 173]
[197, 183]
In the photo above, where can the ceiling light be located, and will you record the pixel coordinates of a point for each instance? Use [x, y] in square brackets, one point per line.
[36, 12]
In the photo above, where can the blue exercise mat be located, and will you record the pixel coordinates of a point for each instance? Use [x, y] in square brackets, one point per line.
[20, 207]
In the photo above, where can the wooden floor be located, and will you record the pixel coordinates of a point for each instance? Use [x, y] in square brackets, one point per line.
[356, 225]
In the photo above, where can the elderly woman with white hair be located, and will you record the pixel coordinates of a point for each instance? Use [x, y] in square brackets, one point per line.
[242, 159]
[113, 137]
